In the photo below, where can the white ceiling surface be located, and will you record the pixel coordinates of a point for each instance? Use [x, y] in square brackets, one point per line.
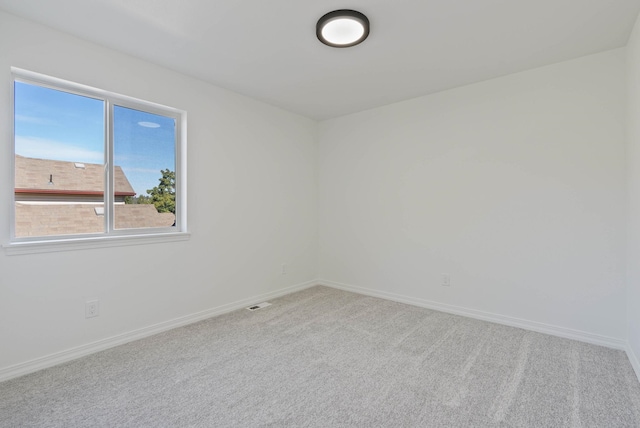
[268, 50]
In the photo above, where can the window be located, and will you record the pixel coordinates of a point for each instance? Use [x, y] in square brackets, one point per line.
[90, 165]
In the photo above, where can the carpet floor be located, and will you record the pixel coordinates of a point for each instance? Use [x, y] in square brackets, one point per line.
[328, 358]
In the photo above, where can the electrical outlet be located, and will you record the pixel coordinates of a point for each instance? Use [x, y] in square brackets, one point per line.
[284, 269]
[446, 280]
[91, 309]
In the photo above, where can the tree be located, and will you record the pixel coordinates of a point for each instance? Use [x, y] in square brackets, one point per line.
[140, 199]
[163, 196]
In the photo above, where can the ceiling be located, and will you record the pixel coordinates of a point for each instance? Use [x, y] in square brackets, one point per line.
[268, 49]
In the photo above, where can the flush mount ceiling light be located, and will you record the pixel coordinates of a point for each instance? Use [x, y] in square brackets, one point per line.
[342, 28]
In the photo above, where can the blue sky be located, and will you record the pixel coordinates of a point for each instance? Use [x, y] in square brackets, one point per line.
[51, 124]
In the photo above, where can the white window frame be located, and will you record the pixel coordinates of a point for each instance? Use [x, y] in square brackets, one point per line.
[111, 236]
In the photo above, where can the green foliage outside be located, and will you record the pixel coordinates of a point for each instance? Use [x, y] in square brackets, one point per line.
[141, 199]
[163, 196]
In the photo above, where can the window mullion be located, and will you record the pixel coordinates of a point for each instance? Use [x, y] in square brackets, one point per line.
[109, 168]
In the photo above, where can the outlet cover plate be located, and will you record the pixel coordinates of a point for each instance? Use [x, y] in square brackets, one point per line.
[91, 309]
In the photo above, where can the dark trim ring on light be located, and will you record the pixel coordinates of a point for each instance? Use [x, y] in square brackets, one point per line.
[352, 16]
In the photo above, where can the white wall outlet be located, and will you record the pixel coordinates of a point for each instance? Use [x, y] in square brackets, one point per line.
[283, 271]
[91, 309]
[446, 280]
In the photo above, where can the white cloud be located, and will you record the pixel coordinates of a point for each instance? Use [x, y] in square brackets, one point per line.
[43, 148]
[34, 120]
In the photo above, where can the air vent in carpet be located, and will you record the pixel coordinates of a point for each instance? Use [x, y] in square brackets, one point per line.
[259, 306]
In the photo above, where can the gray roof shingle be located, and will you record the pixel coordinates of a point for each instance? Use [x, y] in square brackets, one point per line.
[66, 178]
[60, 195]
[70, 219]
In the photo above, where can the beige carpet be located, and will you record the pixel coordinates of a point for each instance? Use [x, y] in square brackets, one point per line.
[328, 358]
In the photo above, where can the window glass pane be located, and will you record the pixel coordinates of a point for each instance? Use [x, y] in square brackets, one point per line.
[144, 147]
[59, 162]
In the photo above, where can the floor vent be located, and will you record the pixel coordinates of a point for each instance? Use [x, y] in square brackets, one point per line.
[259, 306]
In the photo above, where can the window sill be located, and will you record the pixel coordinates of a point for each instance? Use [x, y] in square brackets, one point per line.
[32, 247]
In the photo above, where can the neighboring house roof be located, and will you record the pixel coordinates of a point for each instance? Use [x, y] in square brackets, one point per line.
[66, 219]
[45, 176]
[67, 198]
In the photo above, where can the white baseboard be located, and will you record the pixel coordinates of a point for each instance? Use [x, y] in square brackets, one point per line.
[120, 339]
[633, 358]
[539, 327]
[90, 348]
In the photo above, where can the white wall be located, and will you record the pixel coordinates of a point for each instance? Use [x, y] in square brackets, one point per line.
[515, 187]
[252, 206]
[633, 163]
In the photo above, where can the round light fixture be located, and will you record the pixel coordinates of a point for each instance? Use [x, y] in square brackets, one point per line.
[342, 28]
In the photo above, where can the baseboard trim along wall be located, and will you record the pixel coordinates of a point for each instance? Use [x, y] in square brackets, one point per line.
[120, 339]
[633, 358]
[566, 333]
[100, 345]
